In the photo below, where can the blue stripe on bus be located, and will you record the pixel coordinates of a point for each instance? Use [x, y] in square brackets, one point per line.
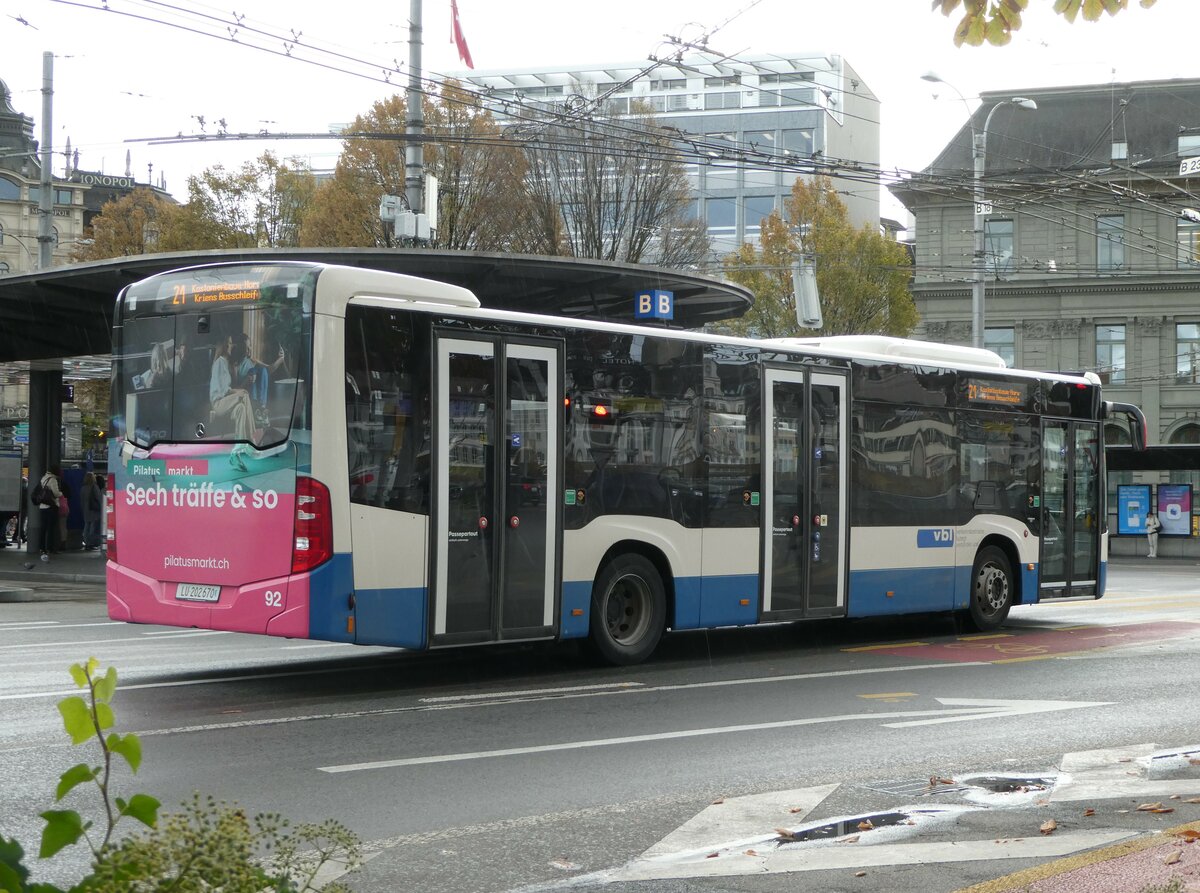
[720, 604]
[575, 596]
[392, 616]
[913, 590]
[329, 588]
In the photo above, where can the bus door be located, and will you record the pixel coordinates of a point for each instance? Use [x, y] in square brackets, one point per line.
[497, 436]
[804, 490]
[1071, 503]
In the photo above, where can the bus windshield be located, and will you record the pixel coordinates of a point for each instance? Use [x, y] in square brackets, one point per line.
[214, 354]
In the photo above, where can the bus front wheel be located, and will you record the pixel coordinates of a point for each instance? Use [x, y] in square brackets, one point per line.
[991, 589]
[629, 609]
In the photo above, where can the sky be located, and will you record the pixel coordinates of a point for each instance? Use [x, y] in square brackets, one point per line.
[122, 77]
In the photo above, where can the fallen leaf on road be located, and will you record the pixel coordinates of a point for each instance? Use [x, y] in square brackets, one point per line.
[1189, 835]
[563, 863]
[1174, 797]
[1149, 807]
[1089, 811]
[785, 834]
[853, 839]
[1164, 809]
[718, 801]
[1193, 761]
[796, 809]
[1125, 760]
[750, 853]
[865, 825]
[1049, 826]
[712, 855]
[1173, 858]
[1192, 800]
[860, 874]
[935, 780]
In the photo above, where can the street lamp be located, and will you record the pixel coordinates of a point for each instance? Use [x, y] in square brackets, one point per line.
[979, 157]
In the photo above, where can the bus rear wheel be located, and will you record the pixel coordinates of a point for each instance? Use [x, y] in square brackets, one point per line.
[629, 609]
[992, 589]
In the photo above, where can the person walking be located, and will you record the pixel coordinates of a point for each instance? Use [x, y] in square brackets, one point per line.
[1153, 526]
[45, 496]
[90, 500]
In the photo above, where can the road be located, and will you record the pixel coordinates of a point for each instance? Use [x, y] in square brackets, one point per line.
[528, 768]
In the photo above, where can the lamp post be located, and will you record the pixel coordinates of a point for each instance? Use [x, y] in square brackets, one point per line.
[982, 209]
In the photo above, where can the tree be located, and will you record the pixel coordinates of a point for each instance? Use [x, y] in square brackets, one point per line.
[482, 204]
[619, 188]
[995, 20]
[862, 276]
[260, 205]
[130, 225]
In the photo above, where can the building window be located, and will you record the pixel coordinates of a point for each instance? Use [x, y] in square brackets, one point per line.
[1110, 353]
[1120, 150]
[1110, 242]
[730, 100]
[1189, 144]
[9, 191]
[796, 96]
[798, 142]
[4, 268]
[1, 233]
[1187, 353]
[1003, 342]
[1187, 236]
[1189, 433]
[998, 246]
[720, 214]
[755, 208]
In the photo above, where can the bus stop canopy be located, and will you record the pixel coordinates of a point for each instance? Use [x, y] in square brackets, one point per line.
[67, 311]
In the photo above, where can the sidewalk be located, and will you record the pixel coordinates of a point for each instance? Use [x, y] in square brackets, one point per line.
[1153, 861]
[19, 568]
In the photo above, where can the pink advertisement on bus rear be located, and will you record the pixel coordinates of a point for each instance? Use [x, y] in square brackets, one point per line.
[216, 515]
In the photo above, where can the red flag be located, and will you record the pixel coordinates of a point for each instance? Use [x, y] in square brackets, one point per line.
[456, 34]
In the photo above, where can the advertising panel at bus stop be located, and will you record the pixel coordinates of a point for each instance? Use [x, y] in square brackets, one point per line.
[1175, 509]
[1133, 504]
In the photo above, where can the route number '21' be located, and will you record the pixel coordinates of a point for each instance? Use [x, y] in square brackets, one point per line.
[274, 598]
[178, 295]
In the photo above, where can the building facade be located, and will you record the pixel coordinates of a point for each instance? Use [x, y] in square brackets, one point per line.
[1091, 245]
[806, 109]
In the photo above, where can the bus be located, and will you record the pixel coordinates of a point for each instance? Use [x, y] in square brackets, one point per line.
[320, 452]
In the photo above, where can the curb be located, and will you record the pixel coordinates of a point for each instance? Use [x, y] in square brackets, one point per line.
[1017, 880]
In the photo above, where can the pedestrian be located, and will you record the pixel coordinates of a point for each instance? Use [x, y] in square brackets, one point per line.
[90, 500]
[1153, 526]
[44, 497]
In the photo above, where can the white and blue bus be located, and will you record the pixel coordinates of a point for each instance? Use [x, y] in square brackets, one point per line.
[315, 451]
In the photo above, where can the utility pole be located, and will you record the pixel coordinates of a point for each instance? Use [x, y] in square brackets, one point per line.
[45, 235]
[414, 152]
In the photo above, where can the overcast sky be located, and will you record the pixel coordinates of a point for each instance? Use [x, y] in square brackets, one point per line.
[119, 77]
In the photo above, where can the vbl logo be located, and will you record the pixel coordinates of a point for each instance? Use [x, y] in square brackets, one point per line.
[937, 538]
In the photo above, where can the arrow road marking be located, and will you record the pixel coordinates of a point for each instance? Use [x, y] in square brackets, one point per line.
[962, 709]
[859, 856]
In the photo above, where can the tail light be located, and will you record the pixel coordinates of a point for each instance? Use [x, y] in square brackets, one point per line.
[313, 544]
[110, 525]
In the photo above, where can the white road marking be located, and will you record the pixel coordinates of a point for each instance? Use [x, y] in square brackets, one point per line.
[999, 708]
[989, 709]
[532, 692]
[82, 645]
[740, 818]
[1116, 772]
[842, 857]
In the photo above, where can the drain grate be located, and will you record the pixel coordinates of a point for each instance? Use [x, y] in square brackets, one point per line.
[910, 788]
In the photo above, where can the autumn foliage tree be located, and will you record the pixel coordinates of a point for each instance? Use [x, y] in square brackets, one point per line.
[862, 276]
[994, 21]
[128, 226]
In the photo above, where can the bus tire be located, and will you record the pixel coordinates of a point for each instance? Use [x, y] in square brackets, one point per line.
[629, 610]
[992, 589]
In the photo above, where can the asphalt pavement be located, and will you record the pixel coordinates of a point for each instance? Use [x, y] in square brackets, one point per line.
[1153, 857]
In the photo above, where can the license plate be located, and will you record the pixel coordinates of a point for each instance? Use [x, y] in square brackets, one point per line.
[194, 592]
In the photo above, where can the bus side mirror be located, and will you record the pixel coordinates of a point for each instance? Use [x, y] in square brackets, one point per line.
[1134, 419]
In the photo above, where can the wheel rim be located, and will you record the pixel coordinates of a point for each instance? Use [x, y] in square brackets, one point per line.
[627, 609]
[991, 589]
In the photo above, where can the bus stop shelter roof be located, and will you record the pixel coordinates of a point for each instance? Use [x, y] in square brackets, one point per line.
[67, 311]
